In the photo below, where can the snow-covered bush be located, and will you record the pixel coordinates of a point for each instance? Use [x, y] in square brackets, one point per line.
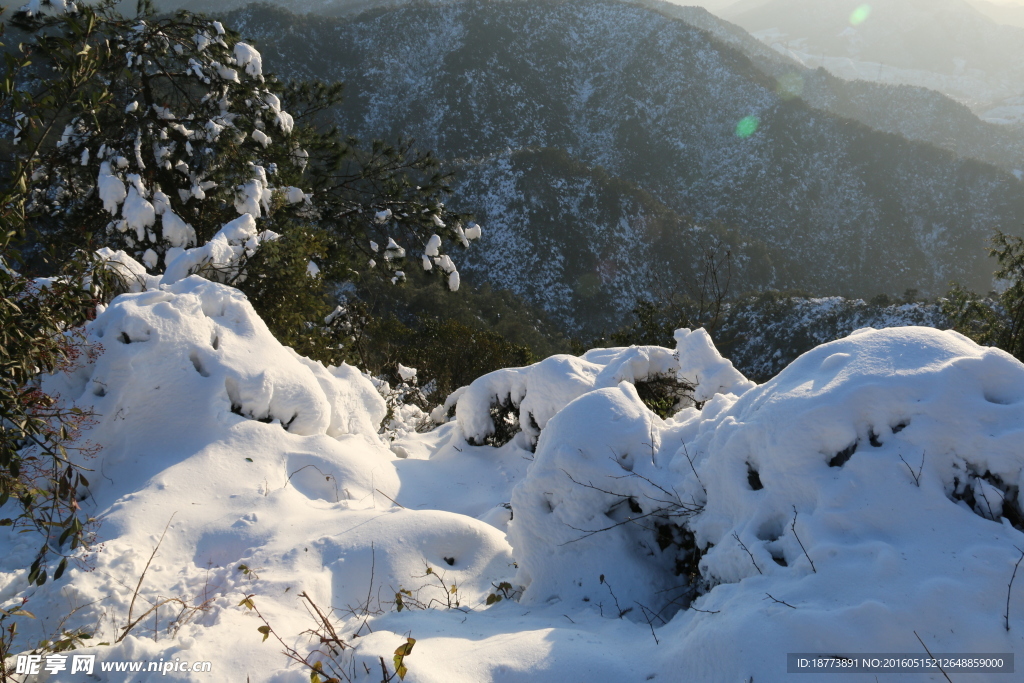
[38, 429]
[258, 455]
[540, 391]
[868, 463]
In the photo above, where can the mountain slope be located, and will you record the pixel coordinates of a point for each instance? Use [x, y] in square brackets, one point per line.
[584, 245]
[886, 104]
[656, 102]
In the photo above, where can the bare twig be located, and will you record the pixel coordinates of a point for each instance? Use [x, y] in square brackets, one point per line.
[373, 567]
[166, 601]
[705, 611]
[391, 499]
[138, 586]
[384, 671]
[672, 508]
[690, 460]
[650, 623]
[933, 657]
[981, 489]
[781, 602]
[328, 636]
[622, 612]
[673, 496]
[793, 527]
[1010, 587]
[736, 536]
[327, 477]
[324, 631]
[917, 475]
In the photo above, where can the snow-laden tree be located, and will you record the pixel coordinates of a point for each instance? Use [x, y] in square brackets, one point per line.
[155, 148]
[161, 141]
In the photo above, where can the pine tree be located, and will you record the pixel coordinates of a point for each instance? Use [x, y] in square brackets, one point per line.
[161, 142]
[160, 146]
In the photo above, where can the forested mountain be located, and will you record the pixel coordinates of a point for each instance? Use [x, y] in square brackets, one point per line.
[657, 102]
[889, 104]
[586, 245]
[944, 36]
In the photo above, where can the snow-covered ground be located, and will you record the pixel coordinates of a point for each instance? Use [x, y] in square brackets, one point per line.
[859, 501]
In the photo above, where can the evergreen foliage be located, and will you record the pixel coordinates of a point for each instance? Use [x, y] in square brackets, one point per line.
[154, 148]
[998, 319]
[38, 335]
[163, 138]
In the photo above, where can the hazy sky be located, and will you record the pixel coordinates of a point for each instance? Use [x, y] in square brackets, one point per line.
[719, 4]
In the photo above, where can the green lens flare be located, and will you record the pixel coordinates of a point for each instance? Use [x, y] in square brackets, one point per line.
[747, 126]
[860, 15]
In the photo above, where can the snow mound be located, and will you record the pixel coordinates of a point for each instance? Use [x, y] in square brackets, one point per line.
[234, 443]
[213, 330]
[867, 495]
[869, 490]
[541, 390]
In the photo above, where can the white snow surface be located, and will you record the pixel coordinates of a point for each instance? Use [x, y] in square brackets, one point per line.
[541, 391]
[111, 189]
[249, 57]
[250, 454]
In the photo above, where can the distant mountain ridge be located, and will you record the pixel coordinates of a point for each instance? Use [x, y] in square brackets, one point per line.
[1004, 13]
[948, 45]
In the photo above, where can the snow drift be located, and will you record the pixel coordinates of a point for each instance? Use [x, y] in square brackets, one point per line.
[872, 487]
[868, 492]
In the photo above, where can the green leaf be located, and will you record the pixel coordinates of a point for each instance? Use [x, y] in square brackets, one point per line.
[248, 459]
[247, 603]
[493, 598]
[265, 630]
